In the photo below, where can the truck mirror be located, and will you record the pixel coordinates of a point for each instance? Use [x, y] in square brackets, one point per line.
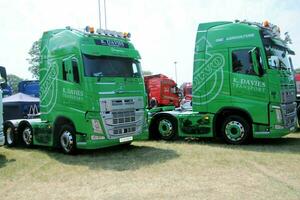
[257, 67]
[273, 62]
[3, 77]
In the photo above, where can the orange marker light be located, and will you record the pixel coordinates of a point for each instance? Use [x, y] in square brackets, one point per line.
[126, 35]
[91, 29]
[266, 23]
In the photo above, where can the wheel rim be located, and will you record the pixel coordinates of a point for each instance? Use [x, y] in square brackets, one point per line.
[234, 131]
[27, 136]
[9, 135]
[165, 128]
[67, 141]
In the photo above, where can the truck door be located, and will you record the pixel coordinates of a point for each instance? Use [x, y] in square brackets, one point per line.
[249, 89]
[72, 92]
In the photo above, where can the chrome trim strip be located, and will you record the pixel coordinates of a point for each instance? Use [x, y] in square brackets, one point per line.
[106, 83]
[262, 133]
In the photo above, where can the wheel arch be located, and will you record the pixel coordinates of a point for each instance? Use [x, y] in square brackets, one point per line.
[224, 112]
[22, 125]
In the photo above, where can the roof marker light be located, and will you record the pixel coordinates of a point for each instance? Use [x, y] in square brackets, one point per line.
[266, 23]
[89, 29]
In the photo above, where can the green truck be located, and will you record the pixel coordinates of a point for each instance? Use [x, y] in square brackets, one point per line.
[3, 80]
[92, 93]
[243, 86]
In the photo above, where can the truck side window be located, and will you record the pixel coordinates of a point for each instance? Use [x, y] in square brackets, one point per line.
[75, 71]
[242, 62]
[64, 71]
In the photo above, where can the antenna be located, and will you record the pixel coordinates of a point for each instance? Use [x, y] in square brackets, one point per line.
[99, 6]
[105, 19]
[105, 14]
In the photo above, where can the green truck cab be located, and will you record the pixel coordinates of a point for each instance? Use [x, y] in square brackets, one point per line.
[243, 86]
[92, 93]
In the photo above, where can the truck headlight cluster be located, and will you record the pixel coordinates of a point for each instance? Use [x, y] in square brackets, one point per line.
[278, 115]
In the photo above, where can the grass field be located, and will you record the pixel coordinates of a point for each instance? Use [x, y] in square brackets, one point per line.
[198, 169]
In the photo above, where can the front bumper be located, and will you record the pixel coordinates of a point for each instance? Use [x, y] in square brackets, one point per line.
[103, 143]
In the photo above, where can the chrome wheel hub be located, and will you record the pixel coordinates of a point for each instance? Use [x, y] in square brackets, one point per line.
[67, 141]
[235, 131]
[9, 135]
[27, 136]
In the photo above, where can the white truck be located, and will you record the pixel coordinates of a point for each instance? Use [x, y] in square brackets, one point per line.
[3, 80]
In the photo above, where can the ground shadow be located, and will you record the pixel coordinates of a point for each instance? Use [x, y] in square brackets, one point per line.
[4, 160]
[278, 145]
[117, 158]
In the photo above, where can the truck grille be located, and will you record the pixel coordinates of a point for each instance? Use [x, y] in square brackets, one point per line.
[127, 130]
[122, 116]
[288, 96]
[289, 114]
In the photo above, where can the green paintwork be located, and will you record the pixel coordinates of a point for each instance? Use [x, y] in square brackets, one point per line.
[216, 87]
[79, 104]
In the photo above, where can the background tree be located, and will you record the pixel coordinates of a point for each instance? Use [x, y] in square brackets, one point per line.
[34, 59]
[13, 81]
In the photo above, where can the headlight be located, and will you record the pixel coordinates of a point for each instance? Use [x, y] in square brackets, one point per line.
[278, 113]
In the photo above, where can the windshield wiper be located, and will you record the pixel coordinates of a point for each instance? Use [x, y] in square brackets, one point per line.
[98, 75]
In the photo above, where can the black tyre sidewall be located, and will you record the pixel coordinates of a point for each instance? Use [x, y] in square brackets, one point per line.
[15, 136]
[247, 136]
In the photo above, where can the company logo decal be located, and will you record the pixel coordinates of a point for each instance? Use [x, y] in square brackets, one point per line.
[48, 88]
[210, 71]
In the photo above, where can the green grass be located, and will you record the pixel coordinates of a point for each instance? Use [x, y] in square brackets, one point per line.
[195, 169]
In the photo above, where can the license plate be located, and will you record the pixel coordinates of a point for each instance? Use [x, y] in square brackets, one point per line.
[126, 139]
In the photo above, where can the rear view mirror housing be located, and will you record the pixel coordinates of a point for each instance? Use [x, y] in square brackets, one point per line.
[3, 77]
[255, 56]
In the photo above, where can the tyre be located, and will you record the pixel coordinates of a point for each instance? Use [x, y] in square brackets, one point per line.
[67, 139]
[27, 135]
[166, 127]
[236, 130]
[11, 137]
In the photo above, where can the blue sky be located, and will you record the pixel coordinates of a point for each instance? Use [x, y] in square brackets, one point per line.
[162, 30]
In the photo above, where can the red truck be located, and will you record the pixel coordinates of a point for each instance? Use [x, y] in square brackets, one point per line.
[161, 90]
[186, 88]
[297, 79]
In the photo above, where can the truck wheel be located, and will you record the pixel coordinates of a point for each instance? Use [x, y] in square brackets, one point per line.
[27, 135]
[67, 139]
[236, 130]
[167, 128]
[11, 138]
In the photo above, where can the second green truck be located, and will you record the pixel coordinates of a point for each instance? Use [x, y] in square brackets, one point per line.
[243, 86]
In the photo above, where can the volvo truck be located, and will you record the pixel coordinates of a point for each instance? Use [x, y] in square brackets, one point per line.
[92, 93]
[243, 86]
[3, 81]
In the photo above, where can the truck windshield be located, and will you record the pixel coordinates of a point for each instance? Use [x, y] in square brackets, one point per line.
[109, 66]
[285, 61]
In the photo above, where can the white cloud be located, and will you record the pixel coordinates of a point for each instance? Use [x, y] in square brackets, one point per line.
[162, 30]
